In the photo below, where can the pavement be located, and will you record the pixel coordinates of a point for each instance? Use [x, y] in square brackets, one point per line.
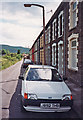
[8, 83]
[77, 97]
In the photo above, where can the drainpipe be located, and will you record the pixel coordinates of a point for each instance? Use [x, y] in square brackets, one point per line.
[64, 45]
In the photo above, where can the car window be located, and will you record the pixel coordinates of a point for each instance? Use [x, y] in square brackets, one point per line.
[31, 63]
[27, 61]
[36, 74]
[56, 76]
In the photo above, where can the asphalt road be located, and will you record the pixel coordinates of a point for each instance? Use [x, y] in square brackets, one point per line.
[11, 97]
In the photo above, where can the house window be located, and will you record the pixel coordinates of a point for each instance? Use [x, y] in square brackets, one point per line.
[72, 53]
[46, 37]
[54, 29]
[73, 14]
[54, 54]
[60, 24]
[49, 35]
[47, 54]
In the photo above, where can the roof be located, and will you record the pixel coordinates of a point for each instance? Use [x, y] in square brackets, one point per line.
[41, 66]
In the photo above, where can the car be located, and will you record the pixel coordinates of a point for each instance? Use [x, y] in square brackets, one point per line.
[26, 62]
[44, 90]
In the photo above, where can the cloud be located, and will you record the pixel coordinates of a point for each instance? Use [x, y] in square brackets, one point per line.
[22, 18]
[20, 26]
[17, 35]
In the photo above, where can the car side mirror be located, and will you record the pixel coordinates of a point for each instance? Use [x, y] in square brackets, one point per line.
[21, 77]
[64, 78]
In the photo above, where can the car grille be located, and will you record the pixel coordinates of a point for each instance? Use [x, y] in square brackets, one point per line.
[39, 101]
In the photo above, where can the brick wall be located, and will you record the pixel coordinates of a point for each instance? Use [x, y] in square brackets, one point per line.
[75, 76]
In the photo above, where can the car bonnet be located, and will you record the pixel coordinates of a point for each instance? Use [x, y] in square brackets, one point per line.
[45, 89]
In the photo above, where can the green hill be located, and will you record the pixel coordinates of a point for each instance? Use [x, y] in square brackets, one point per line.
[13, 49]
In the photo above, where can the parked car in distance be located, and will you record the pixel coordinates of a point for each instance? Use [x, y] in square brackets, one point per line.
[44, 90]
[27, 62]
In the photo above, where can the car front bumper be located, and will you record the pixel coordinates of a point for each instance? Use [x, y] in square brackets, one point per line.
[34, 105]
[39, 109]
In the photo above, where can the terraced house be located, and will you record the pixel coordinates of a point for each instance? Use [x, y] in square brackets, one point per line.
[63, 41]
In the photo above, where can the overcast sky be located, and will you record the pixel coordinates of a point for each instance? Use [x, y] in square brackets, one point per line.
[20, 26]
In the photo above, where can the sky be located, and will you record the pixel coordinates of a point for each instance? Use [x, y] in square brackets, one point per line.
[19, 25]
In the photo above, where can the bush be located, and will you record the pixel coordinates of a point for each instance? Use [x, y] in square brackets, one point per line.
[8, 60]
[13, 58]
[19, 56]
[13, 54]
[7, 57]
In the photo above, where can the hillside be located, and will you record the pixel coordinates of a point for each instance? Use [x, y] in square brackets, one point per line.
[13, 49]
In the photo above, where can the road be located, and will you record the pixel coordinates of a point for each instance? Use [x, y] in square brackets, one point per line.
[11, 97]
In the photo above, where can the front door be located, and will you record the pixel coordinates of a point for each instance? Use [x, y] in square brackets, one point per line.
[60, 59]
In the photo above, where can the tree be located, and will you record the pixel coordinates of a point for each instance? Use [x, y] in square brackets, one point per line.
[18, 52]
[3, 51]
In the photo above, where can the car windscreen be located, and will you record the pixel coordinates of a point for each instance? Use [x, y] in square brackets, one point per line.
[43, 74]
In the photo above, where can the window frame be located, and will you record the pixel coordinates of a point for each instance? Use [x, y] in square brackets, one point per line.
[73, 22]
[54, 29]
[54, 52]
[73, 48]
[59, 24]
[73, 10]
[73, 37]
[48, 34]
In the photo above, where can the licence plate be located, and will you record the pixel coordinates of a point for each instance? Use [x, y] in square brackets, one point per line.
[50, 105]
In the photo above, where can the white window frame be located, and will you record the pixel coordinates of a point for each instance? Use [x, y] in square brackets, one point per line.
[73, 48]
[73, 37]
[54, 45]
[48, 33]
[71, 11]
[49, 56]
[46, 37]
[61, 13]
[54, 30]
[36, 56]
[36, 46]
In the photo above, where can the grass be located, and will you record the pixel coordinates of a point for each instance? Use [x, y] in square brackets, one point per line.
[8, 60]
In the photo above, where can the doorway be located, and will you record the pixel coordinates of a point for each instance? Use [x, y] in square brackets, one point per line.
[60, 57]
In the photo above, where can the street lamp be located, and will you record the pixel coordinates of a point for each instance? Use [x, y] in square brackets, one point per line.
[29, 5]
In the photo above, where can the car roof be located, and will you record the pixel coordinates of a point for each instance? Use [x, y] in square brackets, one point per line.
[41, 66]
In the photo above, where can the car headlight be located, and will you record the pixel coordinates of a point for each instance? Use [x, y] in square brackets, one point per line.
[30, 96]
[67, 97]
